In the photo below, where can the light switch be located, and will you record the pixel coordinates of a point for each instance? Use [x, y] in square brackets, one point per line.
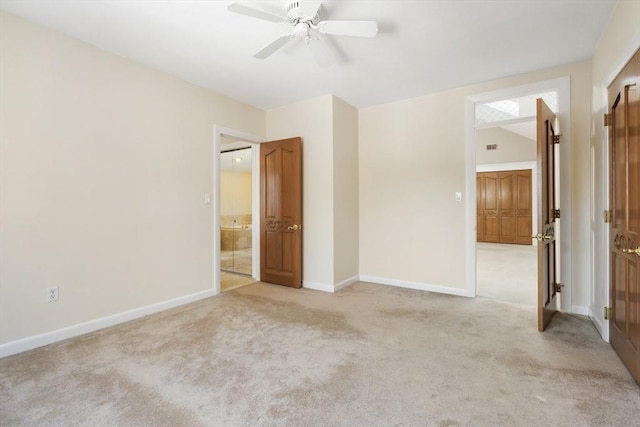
[458, 196]
[207, 199]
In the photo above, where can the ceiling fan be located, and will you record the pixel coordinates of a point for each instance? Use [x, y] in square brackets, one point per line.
[304, 17]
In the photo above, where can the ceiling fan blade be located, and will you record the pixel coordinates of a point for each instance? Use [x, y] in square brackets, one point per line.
[321, 52]
[255, 13]
[272, 47]
[309, 8]
[349, 28]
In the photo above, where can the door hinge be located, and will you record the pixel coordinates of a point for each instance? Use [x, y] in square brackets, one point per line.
[559, 287]
[608, 313]
[556, 213]
[607, 119]
[556, 139]
[607, 217]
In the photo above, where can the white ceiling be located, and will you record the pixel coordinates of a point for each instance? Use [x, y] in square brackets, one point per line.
[421, 47]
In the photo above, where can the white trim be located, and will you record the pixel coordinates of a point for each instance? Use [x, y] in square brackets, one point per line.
[563, 86]
[470, 187]
[417, 285]
[330, 288]
[581, 310]
[318, 286]
[514, 166]
[599, 325]
[523, 119]
[346, 283]
[218, 133]
[35, 341]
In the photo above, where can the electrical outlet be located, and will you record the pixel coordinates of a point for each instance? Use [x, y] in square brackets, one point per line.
[52, 294]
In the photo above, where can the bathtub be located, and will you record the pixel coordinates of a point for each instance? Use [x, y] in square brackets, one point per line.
[235, 237]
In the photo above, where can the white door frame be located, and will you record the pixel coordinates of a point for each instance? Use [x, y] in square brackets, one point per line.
[255, 141]
[563, 86]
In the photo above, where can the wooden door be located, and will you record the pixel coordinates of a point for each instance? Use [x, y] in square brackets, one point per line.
[503, 207]
[281, 212]
[488, 225]
[546, 234]
[506, 208]
[522, 203]
[624, 230]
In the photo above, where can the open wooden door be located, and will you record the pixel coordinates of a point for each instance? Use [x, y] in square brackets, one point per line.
[546, 235]
[281, 212]
[624, 229]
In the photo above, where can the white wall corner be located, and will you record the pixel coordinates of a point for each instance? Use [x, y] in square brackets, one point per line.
[346, 283]
[30, 343]
[600, 324]
[419, 286]
[324, 287]
[581, 310]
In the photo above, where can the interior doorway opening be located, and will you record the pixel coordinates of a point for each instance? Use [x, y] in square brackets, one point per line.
[236, 216]
[230, 140]
[504, 161]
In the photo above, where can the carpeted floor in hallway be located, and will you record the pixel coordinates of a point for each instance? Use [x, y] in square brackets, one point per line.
[370, 355]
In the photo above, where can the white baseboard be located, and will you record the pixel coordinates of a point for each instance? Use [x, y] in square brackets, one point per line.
[417, 285]
[29, 343]
[330, 288]
[318, 286]
[345, 283]
[578, 309]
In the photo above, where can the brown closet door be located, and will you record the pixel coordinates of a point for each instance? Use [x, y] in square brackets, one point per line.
[503, 203]
[523, 207]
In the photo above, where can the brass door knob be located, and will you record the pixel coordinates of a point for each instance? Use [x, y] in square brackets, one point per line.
[632, 251]
[293, 227]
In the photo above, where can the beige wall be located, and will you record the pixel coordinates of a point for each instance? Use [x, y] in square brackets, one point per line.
[329, 130]
[618, 42]
[312, 120]
[345, 191]
[103, 168]
[412, 161]
[235, 193]
[511, 147]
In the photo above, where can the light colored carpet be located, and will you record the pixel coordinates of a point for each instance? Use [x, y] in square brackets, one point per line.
[507, 272]
[370, 355]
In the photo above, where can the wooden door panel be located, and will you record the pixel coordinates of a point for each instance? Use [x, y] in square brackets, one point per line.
[624, 233]
[546, 171]
[524, 229]
[503, 205]
[281, 212]
[491, 192]
[491, 229]
[508, 229]
[506, 191]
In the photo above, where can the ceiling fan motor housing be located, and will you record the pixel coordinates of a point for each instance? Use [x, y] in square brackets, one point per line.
[296, 14]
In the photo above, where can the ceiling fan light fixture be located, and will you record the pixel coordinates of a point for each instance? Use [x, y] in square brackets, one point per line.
[303, 15]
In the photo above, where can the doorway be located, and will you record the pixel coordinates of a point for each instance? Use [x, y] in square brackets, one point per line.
[236, 216]
[227, 139]
[501, 137]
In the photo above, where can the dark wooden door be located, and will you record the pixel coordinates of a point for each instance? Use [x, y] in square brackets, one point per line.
[546, 206]
[281, 212]
[624, 324]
